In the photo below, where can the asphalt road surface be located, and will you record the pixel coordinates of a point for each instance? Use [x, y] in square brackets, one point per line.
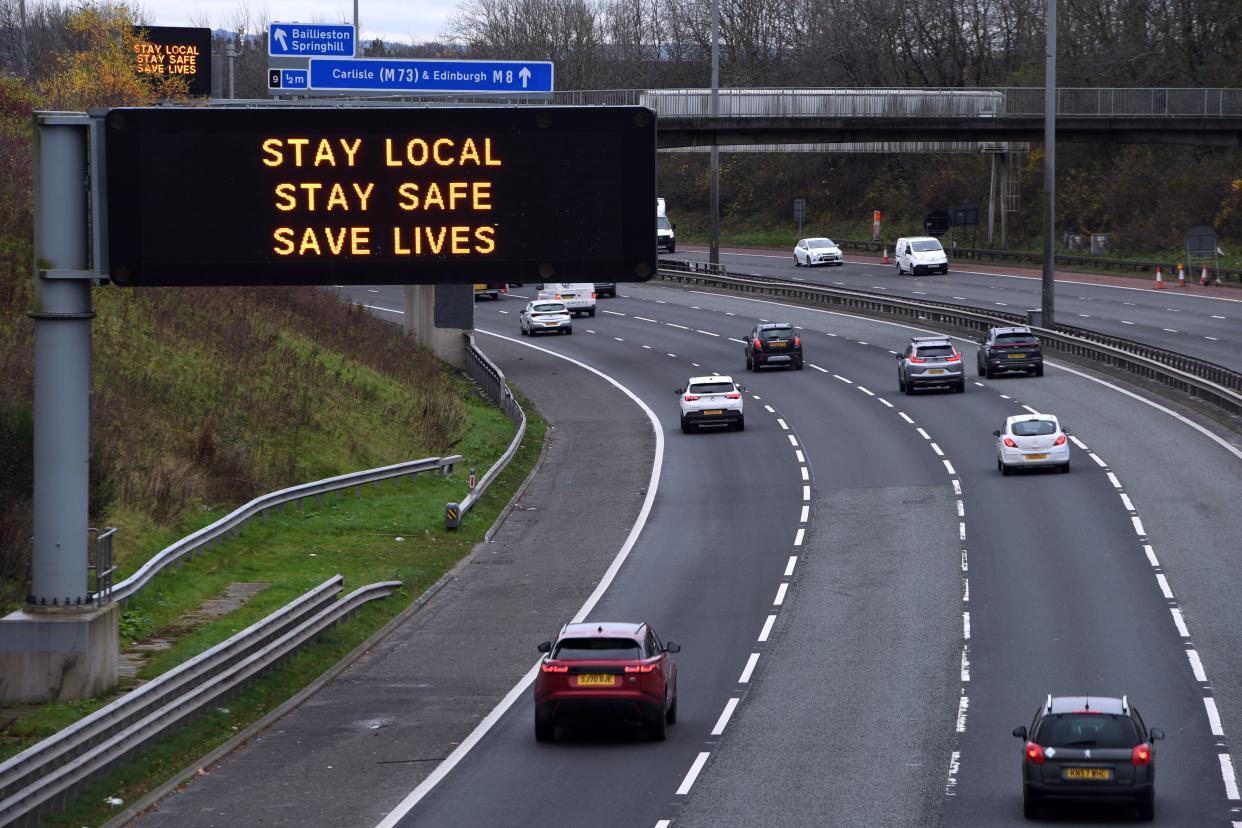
[866, 606]
[1188, 321]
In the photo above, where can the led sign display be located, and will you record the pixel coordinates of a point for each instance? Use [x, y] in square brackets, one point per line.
[428, 195]
[175, 51]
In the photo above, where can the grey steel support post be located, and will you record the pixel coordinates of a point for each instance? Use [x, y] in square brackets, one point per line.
[992, 198]
[1004, 199]
[62, 363]
[1050, 165]
[714, 241]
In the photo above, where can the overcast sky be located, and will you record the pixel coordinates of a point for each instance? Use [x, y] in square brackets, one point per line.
[400, 21]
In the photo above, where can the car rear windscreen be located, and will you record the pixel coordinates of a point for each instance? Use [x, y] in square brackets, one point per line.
[589, 648]
[710, 388]
[1033, 428]
[1087, 730]
[776, 333]
[548, 308]
[1016, 339]
[935, 351]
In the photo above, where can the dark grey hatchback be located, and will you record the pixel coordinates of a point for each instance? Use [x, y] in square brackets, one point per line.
[1088, 747]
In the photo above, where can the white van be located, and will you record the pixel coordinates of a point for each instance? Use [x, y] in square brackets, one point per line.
[666, 239]
[920, 254]
[579, 297]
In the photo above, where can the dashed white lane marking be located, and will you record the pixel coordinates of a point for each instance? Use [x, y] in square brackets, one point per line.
[806, 513]
[817, 368]
[886, 402]
[660, 302]
[793, 441]
[957, 488]
[1028, 408]
[965, 590]
[919, 292]
[1112, 478]
[679, 327]
[770, 409]
[696, 365]
[695, 768]
[1168, 330]
[757, 397]
[1179, 622]
[648, 347]
[767, 628]
[937, 449]
[923, 433]
[369, 290]
[1005, 397]
[790, 564]
[645, 319]
[979, 384]
[860, 342]
[1213, 715]
[961, 530]
[708, 333]
[1231, 780]
[784, 425]
[1165, 589]
[1151, 555]
[798, 538]
[903, 415]
[959, 297]
[1085, 315]
[664, 823]
[1003, 304]
[1097, 459]
[806, 475]
[748, 669]
[966, 625]
[738, 341]
[674, 356]
[504, 312]
[725, 714]
[806, 492]
[1214, 316]
[619, 339]
[1126, 322]
[1138, 526]
[963, 704]
[1214, 339]
[965, 663]
[961, 509]
[780, 594]
[867, 392]
[1125, 501]
[843, 379]
[948, 466]
[614, 313]
[801, 459]
[1077, 442]
[590, 331]
[1196, 666]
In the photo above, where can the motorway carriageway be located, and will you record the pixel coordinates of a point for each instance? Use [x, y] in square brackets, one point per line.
[866, 606]
[1200, 322]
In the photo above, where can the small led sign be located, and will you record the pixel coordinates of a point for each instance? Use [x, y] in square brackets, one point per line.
[429, 195]
[175, 51]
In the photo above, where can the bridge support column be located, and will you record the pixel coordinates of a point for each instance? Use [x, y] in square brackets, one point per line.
[437, 315]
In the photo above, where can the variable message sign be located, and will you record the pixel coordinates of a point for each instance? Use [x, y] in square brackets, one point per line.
[175, 51]
[432, 76]
[428, 195]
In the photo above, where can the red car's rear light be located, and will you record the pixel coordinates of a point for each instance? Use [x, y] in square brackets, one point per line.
[555, 668]
[558, 296]
[733, 396]
[594, 295]
[917, 359]
[640, 668]
[1141, 755]
[1060, 441]
[691, 397]
[758, 345]
[1034, 753]
[1009, 442]
[797, 342]
[954, 358]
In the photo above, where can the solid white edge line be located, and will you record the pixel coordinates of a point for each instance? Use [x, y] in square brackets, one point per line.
[1213, 715]
[725, 715]
[1227, 773]
[789, 567]
[1196, 666]
[748, 669]
[489, 721]
[767, 628]
[693, 773]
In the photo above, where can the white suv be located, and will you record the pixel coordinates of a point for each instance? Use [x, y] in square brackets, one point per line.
[711, 401]
[920, 254]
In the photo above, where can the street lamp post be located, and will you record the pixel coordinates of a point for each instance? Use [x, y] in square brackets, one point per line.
[714, 241]
[1048, 319]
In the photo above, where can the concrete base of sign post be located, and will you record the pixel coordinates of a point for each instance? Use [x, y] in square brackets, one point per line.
[437, 316]
[60, 654]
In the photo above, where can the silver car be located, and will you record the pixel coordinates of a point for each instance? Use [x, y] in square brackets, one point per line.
[930, 361]
[545, 317]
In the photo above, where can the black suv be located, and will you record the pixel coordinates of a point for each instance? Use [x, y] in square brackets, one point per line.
[1009, 349]
[773, 343]
[1088, 747]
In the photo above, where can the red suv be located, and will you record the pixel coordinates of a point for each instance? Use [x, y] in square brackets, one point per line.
[617, 671]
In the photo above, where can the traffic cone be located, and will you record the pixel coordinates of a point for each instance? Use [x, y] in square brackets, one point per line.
[1159, 279]
[1181, 275]
[1203, 279]
[886, 261]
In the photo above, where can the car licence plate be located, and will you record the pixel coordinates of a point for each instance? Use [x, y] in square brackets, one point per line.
[936, 371]
[1035, 456]
[1088, 773]
[550, 324]
[778, 344]
[713, 411]
[1016, 356]
[595, 680]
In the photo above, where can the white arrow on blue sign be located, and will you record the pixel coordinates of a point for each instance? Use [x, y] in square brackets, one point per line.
[310, 40]
[432, 76]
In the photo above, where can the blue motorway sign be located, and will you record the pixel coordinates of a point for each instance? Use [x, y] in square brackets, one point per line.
[310, 39]
[431, 76]
[292, 79]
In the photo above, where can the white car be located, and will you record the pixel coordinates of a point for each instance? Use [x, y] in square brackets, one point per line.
[920, 254]
[1032, 440]
[579, 297]
[811, 252]
[712, 401]
[545, 317]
